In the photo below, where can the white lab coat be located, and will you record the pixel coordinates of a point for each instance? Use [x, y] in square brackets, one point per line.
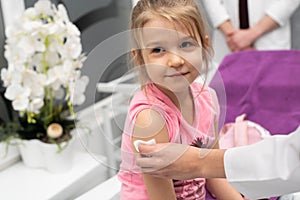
[268, 168]
[280, 10]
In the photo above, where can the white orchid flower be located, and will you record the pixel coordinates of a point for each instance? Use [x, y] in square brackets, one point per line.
[52, 58]
[53, 79]
[62, 13]
[72, 29]
[44, 7]
[30, 45]
[56, 44]
[35, 83]
[35, 105]
[30, 27]
[14, 54]
[6, 77]
[72, 48]
[19, 95]
[36, 62]
[20, 103]
[11, 32]
[11, 77]
[59, 74]
[77, 92]
[53, 28]
[29, 14]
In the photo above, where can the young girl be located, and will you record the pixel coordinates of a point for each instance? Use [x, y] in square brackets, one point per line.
[171, 47]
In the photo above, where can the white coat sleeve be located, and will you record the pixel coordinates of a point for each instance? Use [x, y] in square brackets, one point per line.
[216, 11]
[268, 168]
[282, 10]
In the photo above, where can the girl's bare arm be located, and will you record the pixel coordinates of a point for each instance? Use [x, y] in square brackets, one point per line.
[149, 124]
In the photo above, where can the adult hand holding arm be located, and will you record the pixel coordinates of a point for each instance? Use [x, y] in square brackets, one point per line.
[272, 164]
[180, 162]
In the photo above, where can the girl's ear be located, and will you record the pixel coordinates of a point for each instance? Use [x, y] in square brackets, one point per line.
[207, 41]
[134, 54]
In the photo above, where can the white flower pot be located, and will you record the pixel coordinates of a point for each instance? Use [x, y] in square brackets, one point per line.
[37, 154]
[8, 155]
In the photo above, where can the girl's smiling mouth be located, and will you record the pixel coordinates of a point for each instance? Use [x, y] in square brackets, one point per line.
[179, 74]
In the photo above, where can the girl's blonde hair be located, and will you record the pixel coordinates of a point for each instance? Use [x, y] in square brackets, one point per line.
[185, 12]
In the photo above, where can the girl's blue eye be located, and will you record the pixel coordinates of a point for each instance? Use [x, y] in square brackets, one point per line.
[186, 44]
[157, 50]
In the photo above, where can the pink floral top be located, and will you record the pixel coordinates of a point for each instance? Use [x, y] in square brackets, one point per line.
[202, 131]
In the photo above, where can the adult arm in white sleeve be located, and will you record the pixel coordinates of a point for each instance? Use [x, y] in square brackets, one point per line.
[268, 168]
[282, 10]
[216, 11]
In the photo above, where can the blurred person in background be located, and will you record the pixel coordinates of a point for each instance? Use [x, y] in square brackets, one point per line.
[240, 25]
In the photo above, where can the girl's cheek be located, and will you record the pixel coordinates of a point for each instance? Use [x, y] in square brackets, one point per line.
[194, 60]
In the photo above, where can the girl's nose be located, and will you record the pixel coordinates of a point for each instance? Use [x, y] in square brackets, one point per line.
[175, 60]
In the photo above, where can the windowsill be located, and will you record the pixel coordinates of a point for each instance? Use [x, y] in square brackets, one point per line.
[8, 156]
[21, 182]
[109, 189]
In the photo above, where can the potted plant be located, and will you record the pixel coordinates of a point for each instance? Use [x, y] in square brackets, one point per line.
[43, 78]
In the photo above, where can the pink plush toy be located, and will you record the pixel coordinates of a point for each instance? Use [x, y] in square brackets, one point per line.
[241, 132]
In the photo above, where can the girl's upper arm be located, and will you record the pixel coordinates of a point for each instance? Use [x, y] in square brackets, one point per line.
[150, 124]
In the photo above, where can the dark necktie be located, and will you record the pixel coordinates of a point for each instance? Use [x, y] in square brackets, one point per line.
[243, 14]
